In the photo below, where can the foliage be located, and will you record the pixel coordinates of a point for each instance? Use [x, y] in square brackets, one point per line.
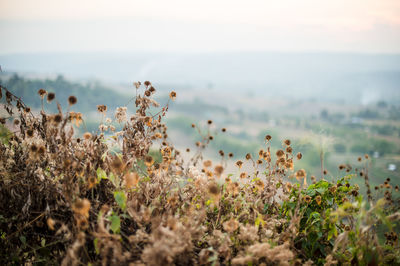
[129, 196]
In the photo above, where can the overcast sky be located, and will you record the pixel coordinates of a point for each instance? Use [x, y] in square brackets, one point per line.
[371, 26]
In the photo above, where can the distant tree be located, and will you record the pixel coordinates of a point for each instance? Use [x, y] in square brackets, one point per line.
[324, 114]
[381, 104]
[339, 148]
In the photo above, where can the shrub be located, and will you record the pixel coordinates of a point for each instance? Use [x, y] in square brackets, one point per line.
[119, 197]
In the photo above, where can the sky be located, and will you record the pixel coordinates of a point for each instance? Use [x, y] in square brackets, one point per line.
[365, 26]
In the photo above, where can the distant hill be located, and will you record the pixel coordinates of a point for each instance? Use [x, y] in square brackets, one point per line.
[349, 77]
[89, 95]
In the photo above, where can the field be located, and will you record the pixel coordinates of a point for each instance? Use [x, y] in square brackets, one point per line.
[91, 176]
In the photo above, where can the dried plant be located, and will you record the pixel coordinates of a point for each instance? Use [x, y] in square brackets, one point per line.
[128, 197]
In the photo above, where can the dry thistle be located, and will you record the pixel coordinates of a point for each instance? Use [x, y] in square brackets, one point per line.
[300, 174]
[280, 153]
[318, 199]
[102, 108]
[218, 170]
[42, 93]
[72, 100]
[172, 95]
[231, 225]
[131, 179]
[51, 96]
[239, 164]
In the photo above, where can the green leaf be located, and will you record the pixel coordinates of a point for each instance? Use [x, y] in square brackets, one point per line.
[96, 245]
[101, 174]
[115, 224]
[43, 242]
[120, 198]
[23, 239]
[112, 178]
[259, 220]
[311, 193]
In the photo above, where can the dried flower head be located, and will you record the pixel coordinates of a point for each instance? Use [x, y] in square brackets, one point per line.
[218, 170]
[33, 148]
[230, 155]
[148, 160]
[102, 108]
[57, 119]
[51, 223]
[51, 96]
[288, 186]
[152, 89]
[268, 137]
[213, 189]
[243, 175]
[231, 225]
[131, 179]
[41, 150]
[120, 114]
[307, 198]
[92, 181]
[172, 95]
[299, 156]
[259, 185]
[280, 153]
[75, 117]
[248, 156]
[87, 135]
[72, 100]
[29, 133]
[239, 164]
[318, 199]
[287, 142]
[300, 174]
[81, 206]
[117, 165]
[42, 93]
[223, 129]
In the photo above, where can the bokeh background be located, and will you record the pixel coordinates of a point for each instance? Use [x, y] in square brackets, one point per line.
[325, 74]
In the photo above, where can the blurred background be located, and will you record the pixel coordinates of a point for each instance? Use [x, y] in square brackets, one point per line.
[325, 74]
